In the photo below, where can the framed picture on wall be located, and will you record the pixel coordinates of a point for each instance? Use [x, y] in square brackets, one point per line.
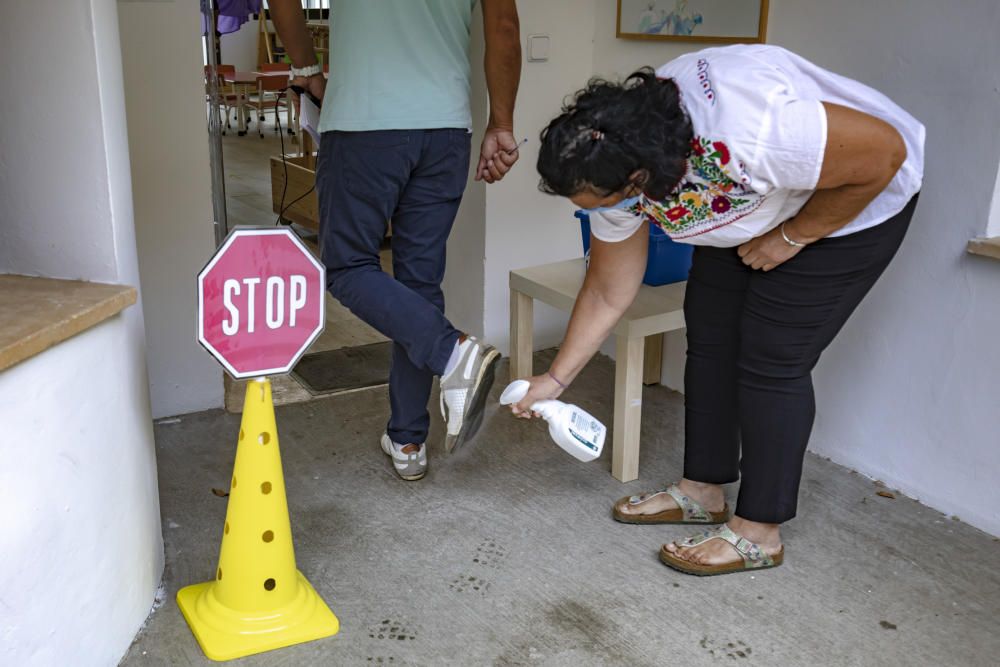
[723, 21]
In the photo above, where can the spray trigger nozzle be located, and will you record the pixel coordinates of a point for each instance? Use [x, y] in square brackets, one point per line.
[514, 392]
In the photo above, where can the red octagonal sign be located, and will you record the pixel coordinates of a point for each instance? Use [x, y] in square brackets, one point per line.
[260, 302]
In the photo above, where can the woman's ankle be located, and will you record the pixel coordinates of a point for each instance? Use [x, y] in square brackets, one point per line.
[711, 496]
[768, 535]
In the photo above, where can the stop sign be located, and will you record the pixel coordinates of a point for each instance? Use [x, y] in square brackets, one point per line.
[260, 302]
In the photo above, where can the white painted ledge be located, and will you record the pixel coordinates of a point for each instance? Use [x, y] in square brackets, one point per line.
[987, 247]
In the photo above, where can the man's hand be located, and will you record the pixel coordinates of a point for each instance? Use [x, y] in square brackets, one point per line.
[502, 64]
[498, 154]
[767, 251]
[314, 84]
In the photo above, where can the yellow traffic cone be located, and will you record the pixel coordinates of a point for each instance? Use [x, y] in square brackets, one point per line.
[258, 601]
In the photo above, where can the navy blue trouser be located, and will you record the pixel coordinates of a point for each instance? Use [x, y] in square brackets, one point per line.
[753, 340]
[416, 179]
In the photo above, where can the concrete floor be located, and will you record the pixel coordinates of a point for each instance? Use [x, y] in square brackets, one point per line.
[505, 554]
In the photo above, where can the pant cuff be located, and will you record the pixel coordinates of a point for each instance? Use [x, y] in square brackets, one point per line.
[443, 354]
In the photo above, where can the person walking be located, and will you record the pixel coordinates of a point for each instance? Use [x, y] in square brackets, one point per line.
[395, 145]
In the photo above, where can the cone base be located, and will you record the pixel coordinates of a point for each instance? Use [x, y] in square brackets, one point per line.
[226, 634]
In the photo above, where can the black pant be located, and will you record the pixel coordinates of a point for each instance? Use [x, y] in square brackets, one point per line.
[416, 178]
[753, 340]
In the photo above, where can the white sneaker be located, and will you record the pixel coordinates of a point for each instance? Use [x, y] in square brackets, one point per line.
[411, 466]
[464, 391]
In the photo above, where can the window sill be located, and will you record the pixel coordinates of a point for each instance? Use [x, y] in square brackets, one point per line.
[39, 313]
[987, 247]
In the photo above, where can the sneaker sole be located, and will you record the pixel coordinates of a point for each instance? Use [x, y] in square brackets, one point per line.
[474, 417]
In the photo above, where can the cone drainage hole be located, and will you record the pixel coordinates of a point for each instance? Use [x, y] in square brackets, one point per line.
[220, 574]
[241, 435]
[268, 584]
[268, 536]
[234, 481]
[265, 488]
[264, 438]
[226, 531]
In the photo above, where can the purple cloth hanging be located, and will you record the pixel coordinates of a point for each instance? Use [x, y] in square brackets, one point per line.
[232, 14]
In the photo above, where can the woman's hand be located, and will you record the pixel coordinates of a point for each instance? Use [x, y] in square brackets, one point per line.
[543, 387]
[767, 251]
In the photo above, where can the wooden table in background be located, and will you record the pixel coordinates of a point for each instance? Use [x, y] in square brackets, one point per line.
[244, 81]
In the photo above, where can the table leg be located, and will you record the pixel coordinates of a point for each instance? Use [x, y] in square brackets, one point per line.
[652, 365]
[522, 324]
[241, 112]
[628, 408]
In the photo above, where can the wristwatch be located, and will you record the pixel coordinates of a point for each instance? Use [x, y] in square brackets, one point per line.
[306, 72]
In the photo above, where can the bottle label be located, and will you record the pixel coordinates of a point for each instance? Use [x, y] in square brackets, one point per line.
[590, 445]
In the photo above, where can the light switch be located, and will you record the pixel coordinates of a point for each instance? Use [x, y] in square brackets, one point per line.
[538, 48]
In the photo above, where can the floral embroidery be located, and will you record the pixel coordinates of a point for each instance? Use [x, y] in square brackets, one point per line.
[714, 192]
[677, 212]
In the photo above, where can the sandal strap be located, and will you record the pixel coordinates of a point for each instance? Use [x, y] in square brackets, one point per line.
[751, 553]
[643, 497]
[693, 511]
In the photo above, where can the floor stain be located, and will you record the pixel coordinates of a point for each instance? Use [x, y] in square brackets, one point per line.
[569, 622]
[572, 617]
[465, 582]
[490, 554]
[887, 625]
[735, 649]
[392, 630]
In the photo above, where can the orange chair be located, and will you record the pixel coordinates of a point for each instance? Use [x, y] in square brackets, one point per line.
[268, 97]
[228, 96]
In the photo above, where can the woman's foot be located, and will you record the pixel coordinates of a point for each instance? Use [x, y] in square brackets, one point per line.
[720, 552]
[709, 496]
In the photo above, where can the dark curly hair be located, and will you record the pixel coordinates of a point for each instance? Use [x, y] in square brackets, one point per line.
[608, 131]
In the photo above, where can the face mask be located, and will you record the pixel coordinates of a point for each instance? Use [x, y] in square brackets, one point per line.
[624, 203]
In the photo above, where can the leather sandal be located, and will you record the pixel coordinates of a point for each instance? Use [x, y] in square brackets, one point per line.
[752, 555]
[687, 510]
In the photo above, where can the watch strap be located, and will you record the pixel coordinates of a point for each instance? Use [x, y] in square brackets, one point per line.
[311, 70]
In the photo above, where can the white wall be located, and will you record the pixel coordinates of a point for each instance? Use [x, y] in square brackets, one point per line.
[81, 532]
[464, 280]
[908, 392]
[65, 237]
[525, 227]
[168, 138]
[82, 547]
[240, 48]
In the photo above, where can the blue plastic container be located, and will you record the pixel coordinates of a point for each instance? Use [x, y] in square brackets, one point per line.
[668, 261]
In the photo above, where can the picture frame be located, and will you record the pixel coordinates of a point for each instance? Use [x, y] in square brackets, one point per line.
[719, 21]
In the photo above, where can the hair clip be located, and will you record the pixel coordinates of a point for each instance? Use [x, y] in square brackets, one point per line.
[596, 135]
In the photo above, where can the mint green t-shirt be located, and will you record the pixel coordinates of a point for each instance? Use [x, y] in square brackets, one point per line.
[398, 65]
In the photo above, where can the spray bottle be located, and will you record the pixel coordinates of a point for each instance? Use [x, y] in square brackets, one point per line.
[571, 428]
